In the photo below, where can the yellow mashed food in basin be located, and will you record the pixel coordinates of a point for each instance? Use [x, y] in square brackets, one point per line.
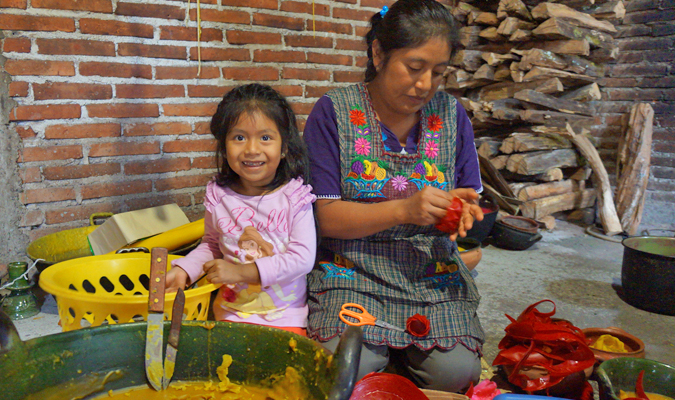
[651, 396]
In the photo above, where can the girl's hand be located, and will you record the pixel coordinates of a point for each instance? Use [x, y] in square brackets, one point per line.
[470, 211]
[223, 272]
[176, 278]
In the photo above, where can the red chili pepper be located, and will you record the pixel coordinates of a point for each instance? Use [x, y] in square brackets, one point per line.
[453, 214]
[418, 325]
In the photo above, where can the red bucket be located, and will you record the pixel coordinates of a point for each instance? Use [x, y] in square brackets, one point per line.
[382, 386]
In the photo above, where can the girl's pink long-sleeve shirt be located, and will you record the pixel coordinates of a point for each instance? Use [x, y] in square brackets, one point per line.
[278, 233]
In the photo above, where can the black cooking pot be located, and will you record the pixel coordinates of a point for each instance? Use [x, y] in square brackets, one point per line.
[86, 363]
[648, 273]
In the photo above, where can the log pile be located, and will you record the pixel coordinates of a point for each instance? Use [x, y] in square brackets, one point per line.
[527, 75]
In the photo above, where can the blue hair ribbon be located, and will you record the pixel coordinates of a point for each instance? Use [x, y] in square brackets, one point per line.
[384, 11]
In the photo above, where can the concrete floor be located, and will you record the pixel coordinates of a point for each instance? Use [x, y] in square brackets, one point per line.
[579, 272]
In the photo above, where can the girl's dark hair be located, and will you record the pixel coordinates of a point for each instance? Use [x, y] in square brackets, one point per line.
[248, 99]
[409, 23]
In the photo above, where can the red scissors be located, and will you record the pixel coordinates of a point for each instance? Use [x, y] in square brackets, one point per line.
[362, 317]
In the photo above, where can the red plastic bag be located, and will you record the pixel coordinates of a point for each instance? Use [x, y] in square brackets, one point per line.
[450, 222]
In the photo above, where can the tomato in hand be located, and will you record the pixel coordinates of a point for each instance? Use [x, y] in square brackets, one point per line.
[453, 214]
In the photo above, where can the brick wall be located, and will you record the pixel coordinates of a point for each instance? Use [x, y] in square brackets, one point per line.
[645, 72]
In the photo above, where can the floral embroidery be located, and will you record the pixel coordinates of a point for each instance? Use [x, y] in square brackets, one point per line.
[432, 135]
[336, 271]
[426, 173]
[362, 146]
[363, 132]
[357, 117]
[434, 122]
[399, 182]
[431, 149]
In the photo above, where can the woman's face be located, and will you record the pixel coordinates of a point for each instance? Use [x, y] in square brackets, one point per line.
[411, 76]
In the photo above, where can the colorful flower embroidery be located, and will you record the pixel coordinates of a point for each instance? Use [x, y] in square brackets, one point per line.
[363, 132]
[432, 135]
[431, 149]
[399, 183]
[357, 117]
[434, 123]
[362, 146]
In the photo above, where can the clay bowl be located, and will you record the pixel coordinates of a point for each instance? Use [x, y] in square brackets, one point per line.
[634, 346]
[515, 233]
[472, 252]
[482, 229]
[621, 374]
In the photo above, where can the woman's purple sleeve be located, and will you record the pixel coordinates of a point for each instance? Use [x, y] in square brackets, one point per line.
[467, 168]
[321, 136]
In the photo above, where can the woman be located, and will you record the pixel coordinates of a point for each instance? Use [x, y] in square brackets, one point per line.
[386, 156]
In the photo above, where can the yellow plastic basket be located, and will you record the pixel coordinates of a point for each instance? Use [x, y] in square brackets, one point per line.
[113, 289]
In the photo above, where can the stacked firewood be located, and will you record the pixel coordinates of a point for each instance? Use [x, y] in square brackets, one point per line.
[527, 75]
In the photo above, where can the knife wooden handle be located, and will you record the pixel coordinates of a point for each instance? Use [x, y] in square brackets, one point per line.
[158, 261]
[176, 318]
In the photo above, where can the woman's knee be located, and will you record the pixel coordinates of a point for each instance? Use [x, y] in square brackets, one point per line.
[450, 370]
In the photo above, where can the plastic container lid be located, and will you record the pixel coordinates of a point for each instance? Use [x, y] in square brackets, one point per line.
[383, 386]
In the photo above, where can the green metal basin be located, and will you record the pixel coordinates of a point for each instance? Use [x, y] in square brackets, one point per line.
[622, 374]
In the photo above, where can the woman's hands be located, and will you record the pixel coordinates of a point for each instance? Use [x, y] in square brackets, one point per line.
[224, 272]
[428, 206]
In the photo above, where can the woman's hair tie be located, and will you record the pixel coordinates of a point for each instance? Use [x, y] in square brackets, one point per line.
[384, 11]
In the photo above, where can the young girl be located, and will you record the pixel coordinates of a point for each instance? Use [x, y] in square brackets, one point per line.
[259, 231]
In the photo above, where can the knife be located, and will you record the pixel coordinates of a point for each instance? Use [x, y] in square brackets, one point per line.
[154, 338]
[174, 334]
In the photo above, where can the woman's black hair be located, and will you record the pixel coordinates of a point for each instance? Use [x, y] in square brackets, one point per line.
[249, 99]
[409, 23]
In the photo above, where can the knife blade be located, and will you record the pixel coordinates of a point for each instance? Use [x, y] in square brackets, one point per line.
[174, 335]
[154, 338]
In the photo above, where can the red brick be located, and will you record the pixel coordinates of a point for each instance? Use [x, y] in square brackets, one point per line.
[47, 195]
[148, 91]
[218, 54]
[302, 7]
[245, 37]
[101, 6]
[186, 146]
[645, 43]
[182, 182]
[150, 10]
[618, 82]
[317, 91]
[634, 94]
[251, 73]
[123, 149]
[157, 166]
[204, 162]
[151, 51]
[334, 27]
[349, 44]
[663, 29]
[116, 28]
[308, 41]
[302, 108]
[279, 21]
[663, 82]
[278, 56]
[82, 131]
[353, 15]
[163, 128]
[75, 47]
[222, 16]
[662, 173]
[190, 34]
[361, 31]
[16, 45]
[183, 200]
[18, 89]
[346, 1]
[49, 153]
[289, 90]
[644, 17]
[30, 174]
[349, 76]
[661, 55]
[301, 124]
[202, 128]
[50, 111]
[638, 70]
[80, 171]
[13, 4]
[25, 132]
[126, 110]
[116, 189]
[269, 4]
[306, 74]
[186, 72]
[190, 110]
[40, 68]
[378, 3]
[62, 90]
[16, 22]
[32, 218]
[79, 212]
[208, 90]
[632, 30]
[336, 59]
[116, 70]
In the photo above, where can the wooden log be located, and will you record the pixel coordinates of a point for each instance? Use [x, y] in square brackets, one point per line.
[572, 47]
[538, 162]
[485, 72]
[494, 59]
[511, 24]
[538, 73]
[482, 18]
[550, 175]
[494, 177]
[462, 10]
[550, 189]
[503, 90]
[608, 216]
[499, 162]
[468, 36]
[633, 166]
[522, 142]
[554, 118]
[604, 55]
[505, 204]
[503, 72]
[521, 35]
[581, 174]
[506, 109]
[541, 58]
[554, 103]
[514, 8]
[491, 35]
[540, 208]
[468, 60]
[556, 10]
[516, 187]
[610, 10]
[557, 28]
[517, 75]
[583, 94]
[489, 148]
[548, 222]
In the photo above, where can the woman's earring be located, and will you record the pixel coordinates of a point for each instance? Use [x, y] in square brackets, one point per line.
[283, 155]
